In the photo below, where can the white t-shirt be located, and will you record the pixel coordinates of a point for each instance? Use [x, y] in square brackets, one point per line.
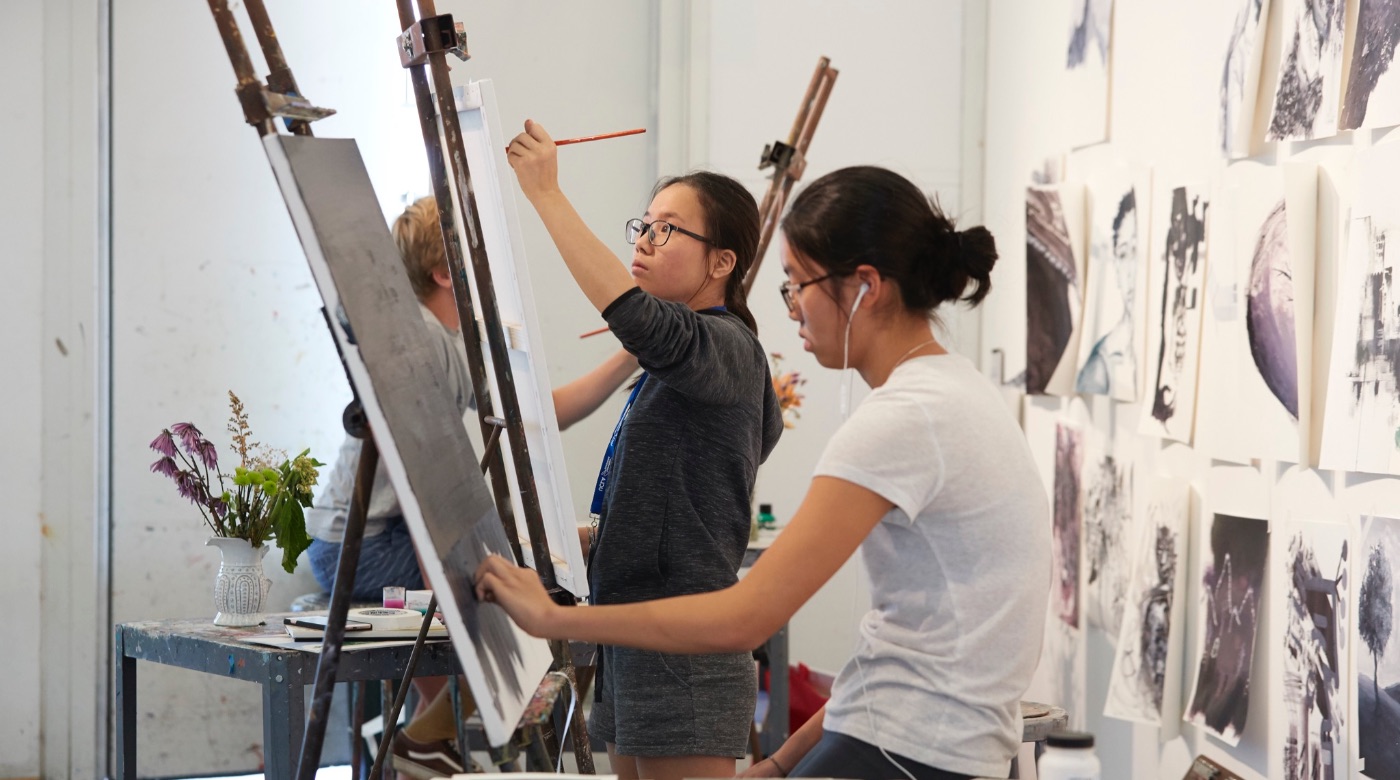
[959, 569]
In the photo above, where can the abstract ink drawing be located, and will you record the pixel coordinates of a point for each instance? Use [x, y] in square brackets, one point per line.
[1177, 340]
[1239, 80]
[1270, 312]
[1373, 88]
[1110, 364]
[1315, 639]
[1108, 514]
[1068, 518]
[1309, 87]
[1052, 287]
[1089, 33]
[1230, 584]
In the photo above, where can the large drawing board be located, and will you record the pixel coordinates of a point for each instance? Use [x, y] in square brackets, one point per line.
[402, 382]
[510, 275]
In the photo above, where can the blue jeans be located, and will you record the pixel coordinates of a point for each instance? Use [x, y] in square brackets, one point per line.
[385, 559]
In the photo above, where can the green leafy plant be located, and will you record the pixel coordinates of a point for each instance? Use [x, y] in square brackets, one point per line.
[267, 499]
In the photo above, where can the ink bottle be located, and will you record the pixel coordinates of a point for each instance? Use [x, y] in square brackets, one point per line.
[766, 520]
[1069, 755]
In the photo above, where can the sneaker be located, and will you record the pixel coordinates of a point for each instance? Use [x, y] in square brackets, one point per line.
[426, 760]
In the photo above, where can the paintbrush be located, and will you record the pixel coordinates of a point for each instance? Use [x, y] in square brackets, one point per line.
[604, 136]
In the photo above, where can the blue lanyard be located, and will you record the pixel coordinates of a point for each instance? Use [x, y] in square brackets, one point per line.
[596, 510]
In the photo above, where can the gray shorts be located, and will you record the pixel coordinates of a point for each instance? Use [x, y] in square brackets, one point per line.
[655, 704]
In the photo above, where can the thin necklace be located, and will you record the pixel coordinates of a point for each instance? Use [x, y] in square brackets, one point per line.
[906, 355]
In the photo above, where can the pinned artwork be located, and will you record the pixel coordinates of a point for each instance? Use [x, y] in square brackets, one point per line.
[401, 380]
[1311, 571]
[1054, 286]
[1110, 350]
[1375, 649]
[1176, 278]
[1145, 685]
[1257, 335]
[1232, 577]
[1107, 508]
[1361, 429]
[1086, 69]
[1371, 97]
[1307, 94]
[1239, 80]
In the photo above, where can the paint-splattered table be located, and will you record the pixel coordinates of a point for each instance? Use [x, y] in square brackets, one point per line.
[283, 674]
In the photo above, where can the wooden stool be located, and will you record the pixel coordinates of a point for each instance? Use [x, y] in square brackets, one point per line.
[1040, 721]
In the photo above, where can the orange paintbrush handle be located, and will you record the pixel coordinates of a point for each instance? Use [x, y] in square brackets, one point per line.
[619, 134]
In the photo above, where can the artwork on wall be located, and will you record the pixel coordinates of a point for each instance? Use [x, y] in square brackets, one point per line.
[1145, 684]
[1361, 429]
[1176, 275]
[1054, 286]
[1068, 519]
[1086, 70]
[1239, 80]
[1371, 97]
[1307, 95]
[1232, 575]
[1256, 352]
[1311, 576]
[1107, 509]
[1375, 649]
[1111, 341]
[401, 381]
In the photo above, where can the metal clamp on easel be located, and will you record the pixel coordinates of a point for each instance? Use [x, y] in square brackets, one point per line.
[788, 159]
[431, 35]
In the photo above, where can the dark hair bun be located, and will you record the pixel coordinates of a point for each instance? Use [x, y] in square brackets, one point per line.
[977, 255]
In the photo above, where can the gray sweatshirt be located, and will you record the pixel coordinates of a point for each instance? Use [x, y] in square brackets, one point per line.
[675, 518]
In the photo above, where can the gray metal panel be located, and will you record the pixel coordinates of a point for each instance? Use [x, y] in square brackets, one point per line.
[401, 377]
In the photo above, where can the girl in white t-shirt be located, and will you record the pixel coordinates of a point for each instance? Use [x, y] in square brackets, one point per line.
[930, 479]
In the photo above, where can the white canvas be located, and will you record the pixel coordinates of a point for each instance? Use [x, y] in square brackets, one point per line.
[1110, 356]
[510, 273]
[1145, 684]
[1106, 505]
[1242, 61]
[1361, 429]
[1309, 696]
[1371, 91]
[1256, 343]
[388, 352]
[1308, 87]
[1374, 664]
[1176, 278]
[1087, 56]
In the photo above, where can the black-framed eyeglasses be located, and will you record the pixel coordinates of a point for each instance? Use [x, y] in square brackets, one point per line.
[658, 232]
[790, 290]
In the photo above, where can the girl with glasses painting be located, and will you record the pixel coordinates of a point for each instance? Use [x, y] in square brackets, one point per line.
[930, 479]
[671, 508]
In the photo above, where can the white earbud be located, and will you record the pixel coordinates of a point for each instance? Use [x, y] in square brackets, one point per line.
[846, 352]
[864, 288]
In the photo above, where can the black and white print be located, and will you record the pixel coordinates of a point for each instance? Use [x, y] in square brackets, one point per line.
[1308, 94]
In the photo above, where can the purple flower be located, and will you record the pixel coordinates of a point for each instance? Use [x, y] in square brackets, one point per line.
[164, 444]
[189, 435]
[219, 507]
[190, 487]
[209, 454]
[165, 466]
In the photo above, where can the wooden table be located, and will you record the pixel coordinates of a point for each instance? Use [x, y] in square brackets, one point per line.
[284, 674]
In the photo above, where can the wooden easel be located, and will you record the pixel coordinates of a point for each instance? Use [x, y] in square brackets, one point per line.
[423, 46]
[789, 159]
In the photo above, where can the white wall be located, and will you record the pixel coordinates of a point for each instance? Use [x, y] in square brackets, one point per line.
[1165, 79]
[897, 103]
[21, 235]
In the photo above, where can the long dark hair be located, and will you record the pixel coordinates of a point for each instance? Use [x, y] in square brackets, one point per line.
[866, 215]
[731, 222]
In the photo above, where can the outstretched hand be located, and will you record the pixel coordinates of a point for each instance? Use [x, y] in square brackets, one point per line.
[533, 156]
[518, 591]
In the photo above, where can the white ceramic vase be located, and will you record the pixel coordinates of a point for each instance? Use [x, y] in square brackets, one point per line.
[240, 590]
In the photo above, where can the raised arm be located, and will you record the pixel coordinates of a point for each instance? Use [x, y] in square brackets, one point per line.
[834, 518]
[594, 267]
[583, 396]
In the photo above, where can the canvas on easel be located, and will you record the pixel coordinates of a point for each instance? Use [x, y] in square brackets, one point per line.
[402, 385]
[505, 248]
